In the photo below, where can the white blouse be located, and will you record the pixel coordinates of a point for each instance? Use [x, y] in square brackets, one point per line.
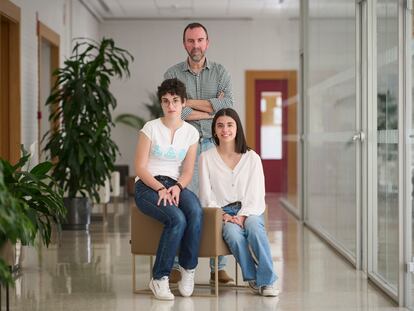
[219, 185]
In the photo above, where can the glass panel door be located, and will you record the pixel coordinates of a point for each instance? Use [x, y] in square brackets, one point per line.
[333, 125]
[289, 113]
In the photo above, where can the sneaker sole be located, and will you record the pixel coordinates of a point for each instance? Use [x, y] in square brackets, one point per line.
[270, 295]
[158, 297]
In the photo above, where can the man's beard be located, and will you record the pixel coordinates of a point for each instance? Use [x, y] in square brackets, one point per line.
[196, 57]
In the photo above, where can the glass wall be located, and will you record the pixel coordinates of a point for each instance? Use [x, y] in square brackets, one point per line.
[385, 235]
[332, 110]
[410, 154]
[290, 115]
[344, 94]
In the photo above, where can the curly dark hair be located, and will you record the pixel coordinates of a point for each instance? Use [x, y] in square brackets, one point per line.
[172, 86]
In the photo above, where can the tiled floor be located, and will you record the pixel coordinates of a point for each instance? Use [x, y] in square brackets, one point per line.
[92, 271]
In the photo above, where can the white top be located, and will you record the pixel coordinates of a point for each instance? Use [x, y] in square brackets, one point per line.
[219, 185]
[166, 156]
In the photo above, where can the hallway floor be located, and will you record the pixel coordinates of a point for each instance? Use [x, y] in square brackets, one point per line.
[92, 271]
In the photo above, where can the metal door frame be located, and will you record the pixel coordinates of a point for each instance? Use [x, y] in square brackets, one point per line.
[408, 136]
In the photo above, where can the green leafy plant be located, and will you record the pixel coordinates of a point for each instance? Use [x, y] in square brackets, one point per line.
[387, 123]
[38, 191]
[14, 225]
[81, 103]
[138, 122]
[130, 120]
[387, 111]
[30, 202]
[154, 106]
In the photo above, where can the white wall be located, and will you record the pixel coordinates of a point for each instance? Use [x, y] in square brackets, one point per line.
[239, 45]
[56, 15]
[84, 25]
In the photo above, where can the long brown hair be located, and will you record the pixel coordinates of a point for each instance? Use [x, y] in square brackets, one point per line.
[241, 144]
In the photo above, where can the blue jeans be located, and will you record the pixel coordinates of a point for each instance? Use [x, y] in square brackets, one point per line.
[182, 226]
[252, 239]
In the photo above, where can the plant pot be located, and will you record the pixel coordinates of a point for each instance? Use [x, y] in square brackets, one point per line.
[78, 216]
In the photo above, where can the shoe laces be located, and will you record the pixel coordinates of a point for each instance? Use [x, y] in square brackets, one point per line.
[187, 276]
[253, 286]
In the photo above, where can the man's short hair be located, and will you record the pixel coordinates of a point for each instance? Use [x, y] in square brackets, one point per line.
[192, 26]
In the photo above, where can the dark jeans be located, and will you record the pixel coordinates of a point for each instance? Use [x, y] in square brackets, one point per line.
[182, 226]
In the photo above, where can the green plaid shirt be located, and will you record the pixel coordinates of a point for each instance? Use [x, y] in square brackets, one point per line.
[207, 84]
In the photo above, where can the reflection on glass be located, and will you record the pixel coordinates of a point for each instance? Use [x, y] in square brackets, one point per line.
[271, 126]
[386, 237]
[331, 196]
[291, 147]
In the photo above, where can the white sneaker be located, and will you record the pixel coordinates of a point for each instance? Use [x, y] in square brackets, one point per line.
[269, 291]
[253, 287]
[186, 285]
[161, 289]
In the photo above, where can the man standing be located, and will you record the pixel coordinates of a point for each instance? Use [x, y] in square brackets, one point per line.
[208, 90]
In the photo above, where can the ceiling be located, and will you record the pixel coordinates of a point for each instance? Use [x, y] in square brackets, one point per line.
[191, 9]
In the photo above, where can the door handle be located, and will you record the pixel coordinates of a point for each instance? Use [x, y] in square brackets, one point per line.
[358, 136]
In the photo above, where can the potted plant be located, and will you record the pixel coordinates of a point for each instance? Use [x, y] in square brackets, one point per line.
[81, 105]
[14, 225]
[33, 203]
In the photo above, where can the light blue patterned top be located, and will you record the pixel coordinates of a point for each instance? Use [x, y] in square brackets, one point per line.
[168, 153]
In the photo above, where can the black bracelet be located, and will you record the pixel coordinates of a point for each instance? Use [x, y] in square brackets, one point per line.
[162, 188]
[179, 186]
